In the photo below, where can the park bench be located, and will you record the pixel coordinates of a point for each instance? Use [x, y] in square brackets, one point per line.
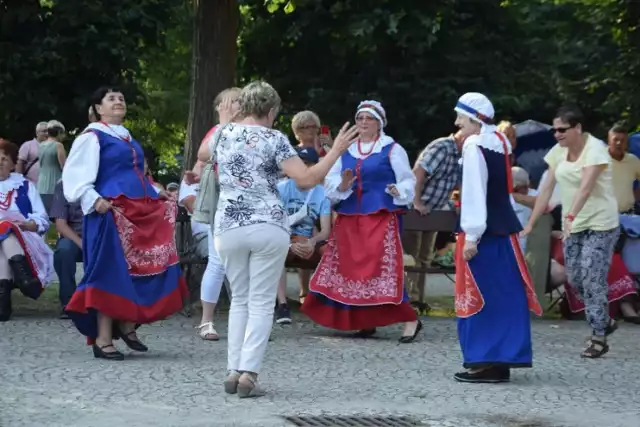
[193, 265]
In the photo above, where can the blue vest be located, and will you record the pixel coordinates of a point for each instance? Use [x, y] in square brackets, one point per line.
[373, 173]
[121, 170]
[22, 199]
[501, 218]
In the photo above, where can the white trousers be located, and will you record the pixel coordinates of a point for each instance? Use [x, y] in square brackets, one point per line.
[253, 257]
[213, 276]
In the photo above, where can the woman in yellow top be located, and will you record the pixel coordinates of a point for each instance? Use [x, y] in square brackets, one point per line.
[581, 166]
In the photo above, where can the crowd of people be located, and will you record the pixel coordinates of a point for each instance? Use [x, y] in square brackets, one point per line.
[335, 206]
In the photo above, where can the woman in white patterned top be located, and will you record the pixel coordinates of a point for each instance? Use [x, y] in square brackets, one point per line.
[250, 231]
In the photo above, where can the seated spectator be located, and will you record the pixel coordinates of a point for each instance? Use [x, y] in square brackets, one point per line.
[173, 188]
[306, 128]
[537, 250]
[521, 186]
[625, 169]
[306, 208]
[68, 220]
[26, 261]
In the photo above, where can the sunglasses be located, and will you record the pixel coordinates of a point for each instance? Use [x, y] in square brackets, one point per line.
[561, 130]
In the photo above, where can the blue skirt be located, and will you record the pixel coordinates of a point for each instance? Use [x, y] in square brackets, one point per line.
[108, 288]
[500, 334]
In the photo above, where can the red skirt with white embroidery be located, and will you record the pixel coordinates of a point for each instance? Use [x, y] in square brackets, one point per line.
[359, 283]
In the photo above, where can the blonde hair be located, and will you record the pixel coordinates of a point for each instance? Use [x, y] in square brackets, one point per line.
[504, 126]
[257, 99]
[232, 92]
[304, 117]
[509, 130]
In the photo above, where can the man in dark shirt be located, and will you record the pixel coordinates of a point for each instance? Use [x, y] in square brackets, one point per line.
[68, 217]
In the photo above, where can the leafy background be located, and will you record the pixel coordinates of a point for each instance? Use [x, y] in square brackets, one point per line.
[416, 57]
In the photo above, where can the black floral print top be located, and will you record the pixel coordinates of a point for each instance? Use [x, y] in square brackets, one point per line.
[249, 159]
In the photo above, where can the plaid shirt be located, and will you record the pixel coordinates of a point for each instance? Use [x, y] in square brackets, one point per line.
[440, 161]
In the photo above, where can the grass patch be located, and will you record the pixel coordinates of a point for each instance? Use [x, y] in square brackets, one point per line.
[48, 302]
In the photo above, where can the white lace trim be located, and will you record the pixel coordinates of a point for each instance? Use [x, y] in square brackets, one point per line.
[13, 182]
[118, 131]
[486, 140]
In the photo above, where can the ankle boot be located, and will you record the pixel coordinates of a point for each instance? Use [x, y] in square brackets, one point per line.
[6, 286]
[23, 277]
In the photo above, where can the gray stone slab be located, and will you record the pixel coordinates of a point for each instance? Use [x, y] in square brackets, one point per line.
[49, 378]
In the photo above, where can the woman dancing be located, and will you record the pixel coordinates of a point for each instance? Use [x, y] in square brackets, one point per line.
[493, 289]
[132, 273]
[359, 283]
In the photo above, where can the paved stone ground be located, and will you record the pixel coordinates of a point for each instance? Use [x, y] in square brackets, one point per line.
[48, 378]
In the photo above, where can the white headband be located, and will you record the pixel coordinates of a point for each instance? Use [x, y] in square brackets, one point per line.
[375, 109]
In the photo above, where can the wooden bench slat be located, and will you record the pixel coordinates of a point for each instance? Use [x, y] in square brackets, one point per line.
[439, 221]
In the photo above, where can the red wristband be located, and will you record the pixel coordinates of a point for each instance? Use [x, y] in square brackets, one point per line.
[570, 217]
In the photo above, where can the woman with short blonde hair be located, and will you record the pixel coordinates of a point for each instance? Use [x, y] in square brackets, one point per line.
[250, 230]
[306, 128]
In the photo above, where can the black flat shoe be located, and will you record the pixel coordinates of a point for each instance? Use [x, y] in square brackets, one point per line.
[406, 339]
[366, 333]
[486, 376]
[99, 353]
[134, 345]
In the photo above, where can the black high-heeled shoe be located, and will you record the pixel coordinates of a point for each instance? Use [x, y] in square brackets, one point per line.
[134, 345]
[99, 353]
[406, 339]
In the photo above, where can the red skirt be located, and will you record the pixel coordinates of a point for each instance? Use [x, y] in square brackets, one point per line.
[620, 281]
[359, 283]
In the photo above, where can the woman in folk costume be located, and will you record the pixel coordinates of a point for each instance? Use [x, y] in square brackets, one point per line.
[26, 261]
[359, 283]
[132, 273]
[493, 291]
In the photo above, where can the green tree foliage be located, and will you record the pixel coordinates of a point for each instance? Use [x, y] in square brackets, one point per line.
[55, 53]
[528, 56]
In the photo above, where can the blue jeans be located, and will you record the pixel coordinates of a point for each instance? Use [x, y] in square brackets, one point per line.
[65, 257]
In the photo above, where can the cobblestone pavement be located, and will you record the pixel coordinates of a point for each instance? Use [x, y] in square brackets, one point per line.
[48, 378]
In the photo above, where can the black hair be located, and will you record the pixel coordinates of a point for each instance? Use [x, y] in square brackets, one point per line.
[619, 128]
[570, 114]
[98, 95]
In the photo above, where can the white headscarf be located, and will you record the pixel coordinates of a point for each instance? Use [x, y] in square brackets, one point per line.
[375, 109]
[477, 107]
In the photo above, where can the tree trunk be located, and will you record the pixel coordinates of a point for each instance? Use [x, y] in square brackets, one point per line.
[213, 69]
[213, 66]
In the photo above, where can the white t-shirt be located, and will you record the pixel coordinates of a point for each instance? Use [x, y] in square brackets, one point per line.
[185, 191]
[523, 213]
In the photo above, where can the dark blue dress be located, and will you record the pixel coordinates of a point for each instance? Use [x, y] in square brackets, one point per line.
[113, 283]
[493, 290]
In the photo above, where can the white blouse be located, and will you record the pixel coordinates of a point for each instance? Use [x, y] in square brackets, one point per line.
[81, 168]
[405, 179]
[38, 215]
[473, 197]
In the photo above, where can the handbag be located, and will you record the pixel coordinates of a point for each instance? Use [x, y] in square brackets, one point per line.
[206, 204]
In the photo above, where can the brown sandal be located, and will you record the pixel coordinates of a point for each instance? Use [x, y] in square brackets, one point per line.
[595, 349]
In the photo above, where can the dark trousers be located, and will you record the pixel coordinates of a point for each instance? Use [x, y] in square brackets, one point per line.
[65, 257]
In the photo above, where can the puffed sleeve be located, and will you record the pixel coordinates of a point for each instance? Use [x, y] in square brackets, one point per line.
[332, 182]
[473, 206]
[81, 170]
[405, 179]
[38, 212]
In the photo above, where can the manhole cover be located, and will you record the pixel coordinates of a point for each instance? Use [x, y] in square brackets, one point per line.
[352, 421]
